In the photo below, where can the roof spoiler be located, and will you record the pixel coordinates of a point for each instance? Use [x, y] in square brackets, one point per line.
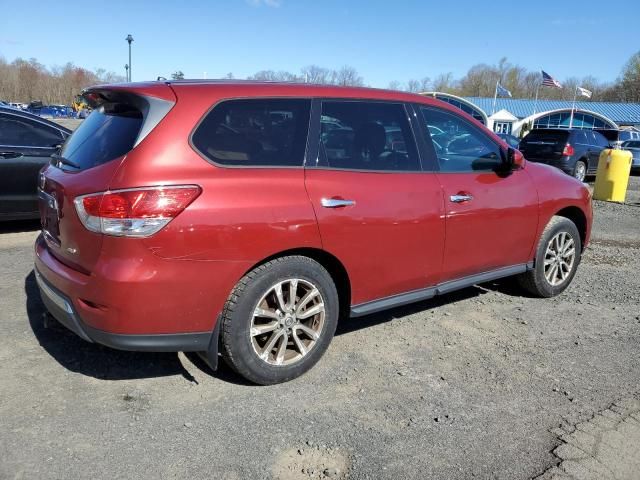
[154, 103]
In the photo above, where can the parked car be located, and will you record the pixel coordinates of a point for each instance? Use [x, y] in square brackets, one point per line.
[186, 216]
[509, 139]
[574, 151]
[634, 147]
[626, 135]
[35, 107]
[26, 145]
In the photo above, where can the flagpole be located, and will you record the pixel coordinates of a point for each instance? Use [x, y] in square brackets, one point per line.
[495, 97]
[573, 107]
[535, 102]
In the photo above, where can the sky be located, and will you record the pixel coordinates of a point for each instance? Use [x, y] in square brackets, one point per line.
[384, 40]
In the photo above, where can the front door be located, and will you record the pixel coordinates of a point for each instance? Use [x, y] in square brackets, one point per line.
[491, 215]
[378, 213]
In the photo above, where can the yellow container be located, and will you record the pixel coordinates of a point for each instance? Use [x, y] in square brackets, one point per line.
[612, 179]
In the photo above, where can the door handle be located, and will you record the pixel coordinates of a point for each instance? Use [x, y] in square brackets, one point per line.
[459, 198]
[336, 202]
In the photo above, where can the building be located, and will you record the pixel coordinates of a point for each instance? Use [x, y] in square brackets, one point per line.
[517, 116]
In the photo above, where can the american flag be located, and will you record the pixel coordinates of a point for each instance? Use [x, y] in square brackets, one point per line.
[549, 81]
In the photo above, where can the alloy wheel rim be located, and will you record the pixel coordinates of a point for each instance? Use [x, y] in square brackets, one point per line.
[287, 322]
[559, 258]
[580, 171]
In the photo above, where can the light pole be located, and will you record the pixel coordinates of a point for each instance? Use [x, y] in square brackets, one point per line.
[126, 71]
[129, 39]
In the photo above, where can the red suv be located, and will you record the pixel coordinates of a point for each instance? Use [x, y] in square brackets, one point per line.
[247, 218]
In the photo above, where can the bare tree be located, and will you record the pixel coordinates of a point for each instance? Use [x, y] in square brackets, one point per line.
[394, 85]
[444, 83]
[26, 80]
[347, 76]
[413, 86]
[425, 84]
[316, 74]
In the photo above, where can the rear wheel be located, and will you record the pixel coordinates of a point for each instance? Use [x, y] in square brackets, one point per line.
[557, 259]
[279, 320]
[580, 170]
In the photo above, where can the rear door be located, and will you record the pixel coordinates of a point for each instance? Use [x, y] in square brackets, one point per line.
[25, 147]
[598, 143]
[377, 211]
[491, 215]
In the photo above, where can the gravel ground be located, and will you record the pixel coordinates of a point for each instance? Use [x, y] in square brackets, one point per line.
[477, 384]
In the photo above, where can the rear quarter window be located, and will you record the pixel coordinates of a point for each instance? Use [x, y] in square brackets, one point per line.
[255, 133]
[600, 140]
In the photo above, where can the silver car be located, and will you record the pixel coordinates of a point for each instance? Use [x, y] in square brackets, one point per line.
[634, 147]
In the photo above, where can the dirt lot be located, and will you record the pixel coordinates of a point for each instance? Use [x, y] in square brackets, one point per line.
[472, 385]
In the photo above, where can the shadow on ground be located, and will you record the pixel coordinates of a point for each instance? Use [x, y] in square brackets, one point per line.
[18, 226]
[100, 362]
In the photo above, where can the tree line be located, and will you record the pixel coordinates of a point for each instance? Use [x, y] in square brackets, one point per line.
[26, 80]
[480, 81]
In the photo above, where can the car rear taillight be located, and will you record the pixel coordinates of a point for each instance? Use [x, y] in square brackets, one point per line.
[568, 150]
[135, 212]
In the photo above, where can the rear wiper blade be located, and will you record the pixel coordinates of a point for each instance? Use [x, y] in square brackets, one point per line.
[65, 161]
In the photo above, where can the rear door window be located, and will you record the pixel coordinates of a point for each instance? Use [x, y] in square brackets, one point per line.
[361, 135]
[255, 133]
[108, 133]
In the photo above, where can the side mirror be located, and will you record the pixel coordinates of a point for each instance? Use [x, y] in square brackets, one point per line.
[515, 159]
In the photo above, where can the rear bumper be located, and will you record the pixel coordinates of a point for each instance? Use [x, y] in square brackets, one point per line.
[134, 300]
[62, 309]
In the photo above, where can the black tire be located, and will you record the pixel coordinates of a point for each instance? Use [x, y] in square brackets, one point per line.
[535, 281]
[580, 170]
[237, 348]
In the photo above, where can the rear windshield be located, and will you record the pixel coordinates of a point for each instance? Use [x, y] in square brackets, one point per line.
[545, 136]
[108, 133]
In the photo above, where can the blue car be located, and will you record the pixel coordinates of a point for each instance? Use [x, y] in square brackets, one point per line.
[512, 141]
[634, 147]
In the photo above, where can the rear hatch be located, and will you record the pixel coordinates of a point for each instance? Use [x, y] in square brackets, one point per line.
[122, 117]
[544, 145]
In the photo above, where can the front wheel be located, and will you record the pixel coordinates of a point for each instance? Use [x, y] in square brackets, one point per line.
[279, 320]
[557, 259]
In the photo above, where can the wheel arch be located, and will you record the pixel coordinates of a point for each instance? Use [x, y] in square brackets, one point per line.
[331, 263]
[578, 217]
